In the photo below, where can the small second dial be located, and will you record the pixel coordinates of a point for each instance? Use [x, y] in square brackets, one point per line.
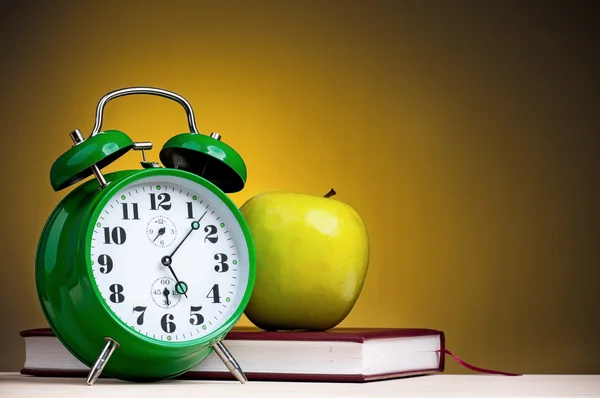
[164, 293]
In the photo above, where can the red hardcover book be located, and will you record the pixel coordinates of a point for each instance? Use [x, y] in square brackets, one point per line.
[339, 354]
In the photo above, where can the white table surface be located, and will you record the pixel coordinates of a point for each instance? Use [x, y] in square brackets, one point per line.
[436, 385]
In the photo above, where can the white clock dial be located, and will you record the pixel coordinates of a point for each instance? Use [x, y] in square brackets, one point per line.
[169, 258]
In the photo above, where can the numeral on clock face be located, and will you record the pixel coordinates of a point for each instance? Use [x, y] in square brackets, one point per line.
[134, 211]
[115, 235]
[106, 262]
[168, 258]
[164, 201]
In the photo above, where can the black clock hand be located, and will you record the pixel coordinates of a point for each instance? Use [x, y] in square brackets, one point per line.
[166, 293]
[181, 287]
[168, 260]
[160, 232]
[195, 226]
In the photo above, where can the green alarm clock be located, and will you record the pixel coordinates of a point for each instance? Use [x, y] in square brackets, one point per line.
[142, 273]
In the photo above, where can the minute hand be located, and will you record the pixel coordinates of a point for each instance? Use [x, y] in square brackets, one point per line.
[167, 261]
[195, 225]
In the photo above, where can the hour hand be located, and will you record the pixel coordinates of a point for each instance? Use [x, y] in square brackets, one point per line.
[166, 261]
[160, 232]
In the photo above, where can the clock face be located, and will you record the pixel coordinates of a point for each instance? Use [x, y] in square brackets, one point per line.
[169, 258]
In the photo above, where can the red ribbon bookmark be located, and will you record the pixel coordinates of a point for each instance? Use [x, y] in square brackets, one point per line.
[475, 368]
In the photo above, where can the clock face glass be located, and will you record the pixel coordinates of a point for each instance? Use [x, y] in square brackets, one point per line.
[169, 258]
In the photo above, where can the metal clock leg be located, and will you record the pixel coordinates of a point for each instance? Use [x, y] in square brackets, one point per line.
[102, 360]
[230, 361]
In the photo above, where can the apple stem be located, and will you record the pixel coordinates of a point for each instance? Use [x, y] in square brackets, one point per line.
[330, 193]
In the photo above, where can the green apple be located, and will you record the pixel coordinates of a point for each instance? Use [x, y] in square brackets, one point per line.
[312, 256]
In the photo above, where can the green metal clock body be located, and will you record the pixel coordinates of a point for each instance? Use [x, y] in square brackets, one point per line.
[101, 271]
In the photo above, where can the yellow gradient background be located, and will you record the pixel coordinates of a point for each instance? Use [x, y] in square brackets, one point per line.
[464, 133]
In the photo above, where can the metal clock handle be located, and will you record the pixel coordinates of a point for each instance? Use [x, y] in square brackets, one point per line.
[144, 90]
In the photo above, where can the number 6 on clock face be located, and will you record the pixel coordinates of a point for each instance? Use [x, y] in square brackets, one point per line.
[168, 258]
